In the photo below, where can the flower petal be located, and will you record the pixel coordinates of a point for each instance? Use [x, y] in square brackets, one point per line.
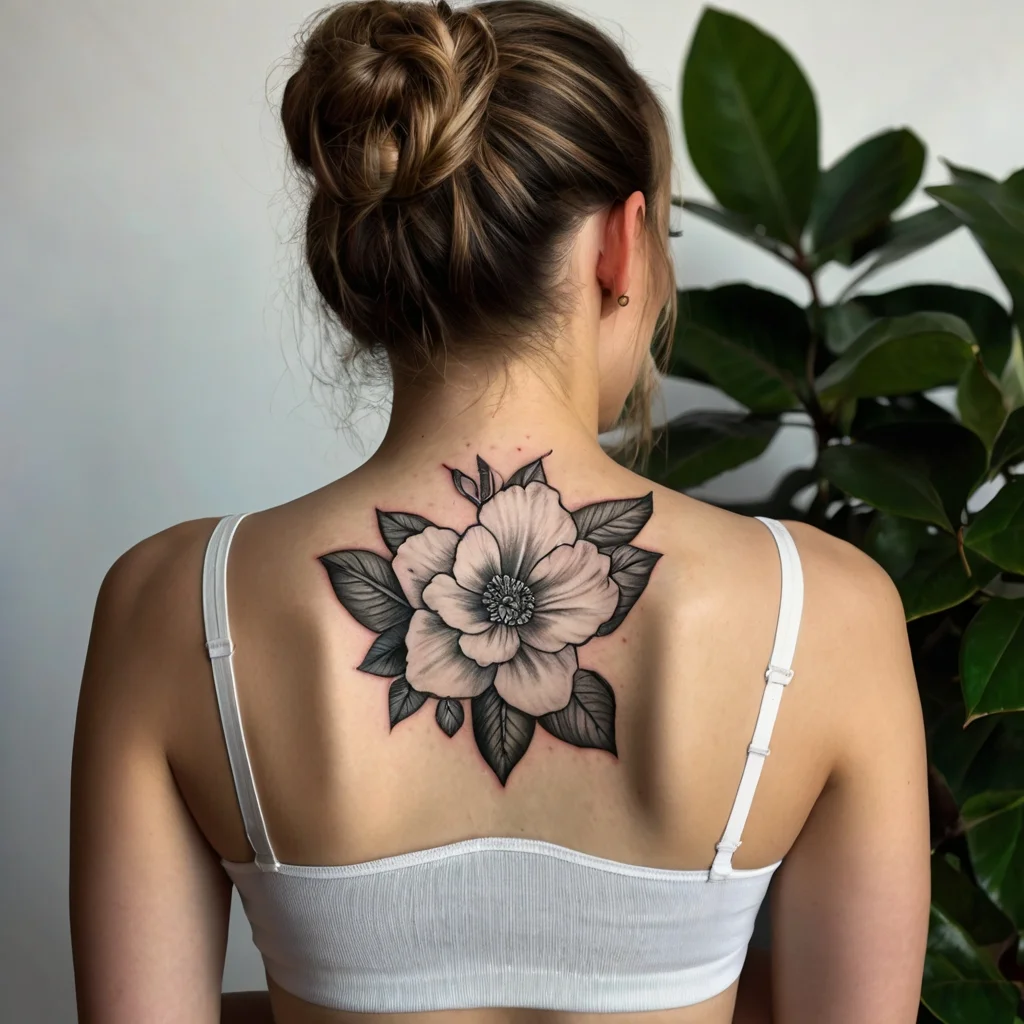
[573, 594]
[435, 664]
[421, 557]
[537, 682]
[460, 608]
[495, 645]
[527, 523]
[476, 559]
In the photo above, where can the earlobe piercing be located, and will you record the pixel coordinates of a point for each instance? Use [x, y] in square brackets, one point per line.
[623, 300]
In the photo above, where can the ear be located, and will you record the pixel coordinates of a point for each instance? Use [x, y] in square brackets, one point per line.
[620, 245]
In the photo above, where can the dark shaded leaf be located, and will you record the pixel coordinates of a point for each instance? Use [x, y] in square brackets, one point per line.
[951, 456]
[962, 901]
[989, 322]
[588, 720]
[466, 486]
[502, 732]
[894, 542]
[699, 445]
[751, 124]
[881, 479]
[403, 700]
[607, 524]
[749, 342]
[979, 401]
[992, 659]
[527, 474]
[897, 355]
[736, 224]
[862, 188]
[995, 836]
[872, 413]
[631, 568]
[368, 588]
[844, 324]
[938, 580]
[397, 527]
[1000, 764]
[961, 984]
[994, 213]
[450, 715]
[1008, 449]
[905, 237]
[386, 656]
[997, 531]
[954, 748]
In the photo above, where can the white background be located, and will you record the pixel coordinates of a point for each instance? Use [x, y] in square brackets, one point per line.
[149, 368]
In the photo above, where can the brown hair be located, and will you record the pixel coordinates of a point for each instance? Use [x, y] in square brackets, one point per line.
[450, 153]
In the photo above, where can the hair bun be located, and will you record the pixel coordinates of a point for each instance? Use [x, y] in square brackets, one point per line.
[390, 98]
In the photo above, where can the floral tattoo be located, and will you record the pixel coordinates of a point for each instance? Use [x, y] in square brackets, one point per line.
[495, 615]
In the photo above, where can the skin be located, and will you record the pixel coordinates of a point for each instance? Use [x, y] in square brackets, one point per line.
[842, 796]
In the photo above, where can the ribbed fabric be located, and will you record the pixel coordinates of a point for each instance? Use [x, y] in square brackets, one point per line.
[498, 921]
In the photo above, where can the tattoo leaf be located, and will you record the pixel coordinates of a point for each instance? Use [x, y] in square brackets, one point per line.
[502, 732]
[450, 715]
[527, 474]
[466, 486]
[631, 569]
[396, 527]
[488, 482]
[367, 586]
[607, 524]
[386, 656]
[588, 720]
[403, 700]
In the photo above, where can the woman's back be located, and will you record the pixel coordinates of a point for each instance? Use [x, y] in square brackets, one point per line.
[492, 634]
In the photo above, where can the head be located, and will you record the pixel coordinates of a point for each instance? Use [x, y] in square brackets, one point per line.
[486, 183]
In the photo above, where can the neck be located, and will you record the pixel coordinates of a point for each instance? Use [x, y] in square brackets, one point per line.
[478, 409]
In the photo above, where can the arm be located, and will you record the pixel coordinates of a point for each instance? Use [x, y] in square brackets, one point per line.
[149, 902]
[850, 903]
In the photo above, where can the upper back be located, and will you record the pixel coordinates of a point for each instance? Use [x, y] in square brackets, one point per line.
[646, 775]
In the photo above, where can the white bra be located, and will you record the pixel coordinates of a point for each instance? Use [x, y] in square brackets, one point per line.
[498, 921]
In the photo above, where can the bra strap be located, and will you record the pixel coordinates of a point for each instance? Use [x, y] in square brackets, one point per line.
[777, 677]
[220, 647]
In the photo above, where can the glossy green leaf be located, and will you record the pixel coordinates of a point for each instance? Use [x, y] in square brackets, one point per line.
[962, 901]
[885, 481]
[938, 579]
[1008, 449]
[995, 215]
[736, 224]
[894, 542]
[863, 187]
[749, 342]
[990, 324]
[904, 237]
[896, 409]
[951, 456]
[1012, 378]
[997, 531]
[979, 401]
[844, 324]
[700, 445]
[751, 124]
[897, 355]
[995, 836]
[961, 984]
[992, 659]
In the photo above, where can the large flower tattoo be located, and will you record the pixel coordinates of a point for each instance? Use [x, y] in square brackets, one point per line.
[496, 614]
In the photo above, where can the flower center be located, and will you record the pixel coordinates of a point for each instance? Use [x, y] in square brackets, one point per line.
[508, 601]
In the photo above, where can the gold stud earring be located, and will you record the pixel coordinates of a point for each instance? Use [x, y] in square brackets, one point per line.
[623, 300]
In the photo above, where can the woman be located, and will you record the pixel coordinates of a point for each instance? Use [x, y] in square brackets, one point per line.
[491, 716]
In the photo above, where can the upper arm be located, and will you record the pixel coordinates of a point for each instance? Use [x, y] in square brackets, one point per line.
[149, 902]
[850, 902]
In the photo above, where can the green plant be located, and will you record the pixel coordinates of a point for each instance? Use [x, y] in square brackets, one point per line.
[930, 493]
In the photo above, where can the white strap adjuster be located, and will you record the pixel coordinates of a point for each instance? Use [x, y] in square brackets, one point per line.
[763, 751]
[774, 674]
[220, 647]
[724, 847]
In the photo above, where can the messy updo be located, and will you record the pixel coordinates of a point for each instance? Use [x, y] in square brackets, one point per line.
[449, 155]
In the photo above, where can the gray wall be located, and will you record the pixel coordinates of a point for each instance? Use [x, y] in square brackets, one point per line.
[149, 369]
